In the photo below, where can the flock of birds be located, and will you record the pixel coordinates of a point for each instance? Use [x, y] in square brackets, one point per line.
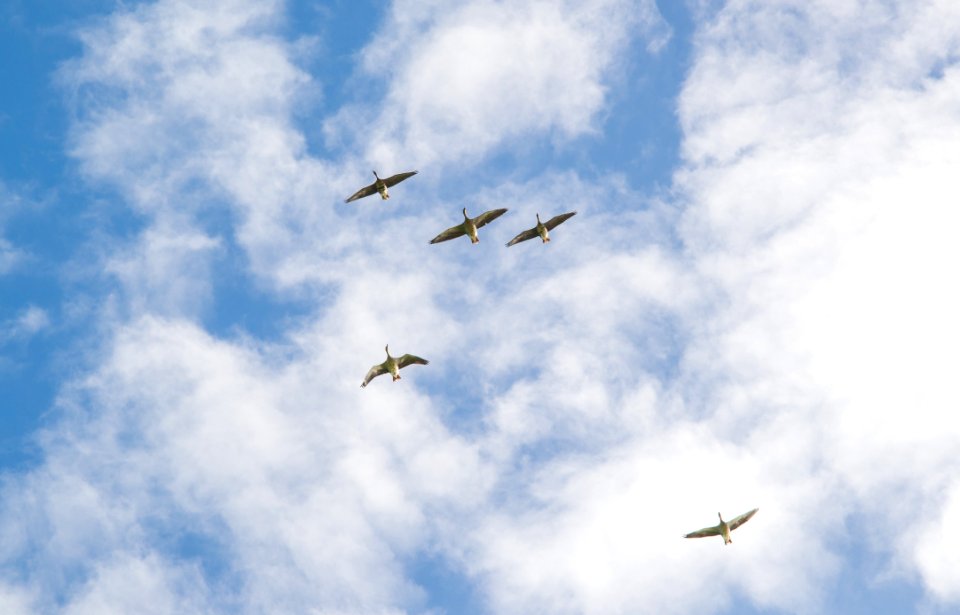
[392, 365]
[468, 227]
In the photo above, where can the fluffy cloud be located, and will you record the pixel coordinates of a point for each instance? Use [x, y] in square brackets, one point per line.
[821, 191]
[215, 478]
[188, 113]
[811, 377]
[463, 78]
[588, 401]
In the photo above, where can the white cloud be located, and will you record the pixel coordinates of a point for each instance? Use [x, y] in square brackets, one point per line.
[187, 112]
[464, 78]
[14, 600]
[817, 349]
[935, 553]
[604, 536]
[138, 585]
[612, 393]
[309, 492]
[821, 186]
[166, 270]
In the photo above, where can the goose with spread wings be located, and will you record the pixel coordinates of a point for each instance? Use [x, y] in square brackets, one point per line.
[724, 527]
[469, 226]
[542, 228]
[392, 366]
[381, 185]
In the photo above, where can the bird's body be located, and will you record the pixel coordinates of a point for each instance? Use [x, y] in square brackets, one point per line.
[542, 229]
[469, 226]
[392, 366]
[380, 185]
[723, 528]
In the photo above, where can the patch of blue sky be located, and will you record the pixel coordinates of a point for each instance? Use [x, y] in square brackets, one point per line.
[205, 543]
[448, 590]
[44, 212]
[866, 583]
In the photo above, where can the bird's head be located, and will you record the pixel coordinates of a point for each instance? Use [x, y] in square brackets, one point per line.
[465, 213]
[719, 517]
[375, 175]
[387, 349]
[538, 218]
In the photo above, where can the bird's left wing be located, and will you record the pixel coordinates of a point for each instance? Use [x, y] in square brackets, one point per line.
[525, 235]
[707, 531]
[409, 359]
[375, 371]
[488, 216]
[738, 521]
[558, 220]
[451, 233]
[362, 192]
[393, 180]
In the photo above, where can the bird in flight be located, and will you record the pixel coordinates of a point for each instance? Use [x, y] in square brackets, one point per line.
[724, 527]
[469, 226]
[542, 228]
[380, 185]
[392, 366]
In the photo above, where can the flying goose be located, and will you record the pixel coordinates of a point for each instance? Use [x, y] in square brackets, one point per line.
[723, 528]
[542, 228]
[392, 365]
[380, 185]
[469, 226]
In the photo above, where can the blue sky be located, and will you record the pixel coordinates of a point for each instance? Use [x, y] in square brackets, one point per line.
[754, 307]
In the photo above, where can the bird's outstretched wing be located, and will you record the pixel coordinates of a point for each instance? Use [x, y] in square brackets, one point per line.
[362, 192]
[393, 180]
[409, 359]
[558, 220]
[707, 531]
[738, 521]
[375, 371]
[488, 216]
[451, 233]
[525, 235]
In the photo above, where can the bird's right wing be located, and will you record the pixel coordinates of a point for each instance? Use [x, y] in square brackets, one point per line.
[525, 235]
[375, 371]
[707, 531]
[488, 216]
[451, 233]
[409, 359]
[738, 521]
[393, 180]
[362, 192]
[558, 220]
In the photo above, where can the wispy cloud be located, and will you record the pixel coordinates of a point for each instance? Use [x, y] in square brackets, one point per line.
[10, 255]
[779, 334]
[29, 322]
[463, 78]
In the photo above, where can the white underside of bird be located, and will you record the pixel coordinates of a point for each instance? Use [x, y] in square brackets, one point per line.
[723, 528]
[392, 366]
